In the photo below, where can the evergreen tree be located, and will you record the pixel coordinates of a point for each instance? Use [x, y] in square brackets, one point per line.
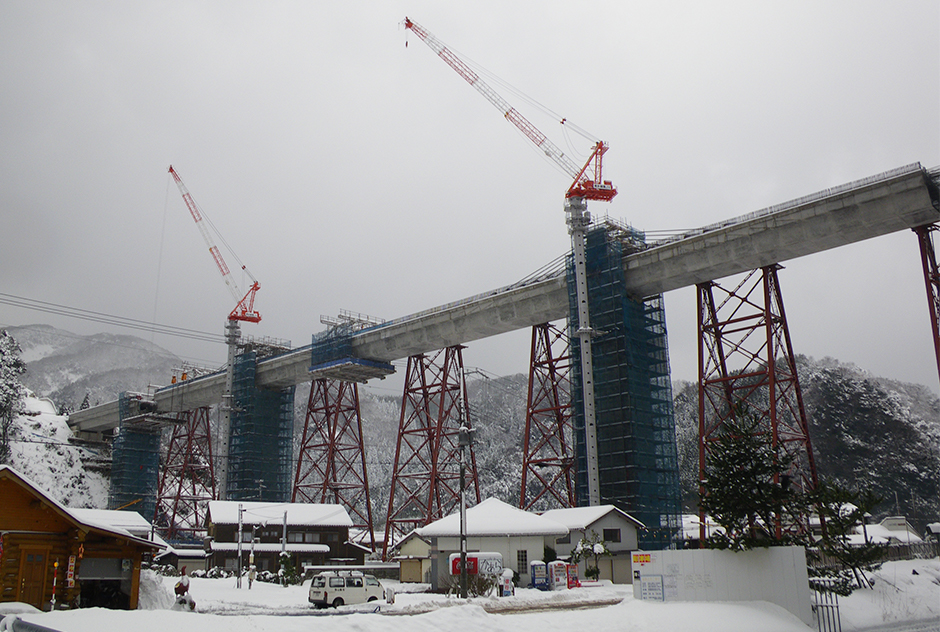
[11, 391]
[844, 564]
[746, 489]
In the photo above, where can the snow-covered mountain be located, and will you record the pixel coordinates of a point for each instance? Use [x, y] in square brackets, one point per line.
[66, 367]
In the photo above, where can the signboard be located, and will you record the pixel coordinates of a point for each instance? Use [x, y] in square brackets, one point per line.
[478, 563]
[651, 587]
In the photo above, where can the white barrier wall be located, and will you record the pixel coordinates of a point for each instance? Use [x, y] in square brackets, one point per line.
[775, 574]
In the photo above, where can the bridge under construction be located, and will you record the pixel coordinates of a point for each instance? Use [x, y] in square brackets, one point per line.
[635, 440]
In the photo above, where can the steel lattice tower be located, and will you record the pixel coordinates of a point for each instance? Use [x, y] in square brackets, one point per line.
[928, 256]
[746, 361]
[426, 473]
[331, 465]
[548, 456]
[187, 482]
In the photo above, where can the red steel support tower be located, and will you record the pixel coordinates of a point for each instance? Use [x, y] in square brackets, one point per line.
[187, 482]
[426, 473]
[746, 358]
[928, 256]
[331, 465]
[547, 451]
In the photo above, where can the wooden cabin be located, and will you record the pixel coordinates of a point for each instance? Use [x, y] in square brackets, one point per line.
[50, 558]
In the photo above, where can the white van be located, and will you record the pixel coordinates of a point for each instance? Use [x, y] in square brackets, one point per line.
[339, 588]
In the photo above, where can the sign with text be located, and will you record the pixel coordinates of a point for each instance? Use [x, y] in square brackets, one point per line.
[478, 563]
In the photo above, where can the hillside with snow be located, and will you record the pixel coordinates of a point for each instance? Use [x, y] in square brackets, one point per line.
[41, 449]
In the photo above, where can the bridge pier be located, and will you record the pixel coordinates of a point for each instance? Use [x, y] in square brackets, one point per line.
[746, 363]
[331, 464]
[547, 456]
[187, 481]
[426, 474]
[928, 256]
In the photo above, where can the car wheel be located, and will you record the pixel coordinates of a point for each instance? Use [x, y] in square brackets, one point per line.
[373, 598]
[338, 602]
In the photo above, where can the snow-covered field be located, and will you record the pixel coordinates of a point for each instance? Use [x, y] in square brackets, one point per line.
[899, 595]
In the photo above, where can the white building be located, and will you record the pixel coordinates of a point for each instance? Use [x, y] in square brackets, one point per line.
[492, 526]
[617, 528]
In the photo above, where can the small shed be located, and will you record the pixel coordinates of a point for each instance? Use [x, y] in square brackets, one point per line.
[51, 556]
[413, 554]
[519, 536]
[615, 527]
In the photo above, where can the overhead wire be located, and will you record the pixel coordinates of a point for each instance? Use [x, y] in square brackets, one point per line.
[108, 319]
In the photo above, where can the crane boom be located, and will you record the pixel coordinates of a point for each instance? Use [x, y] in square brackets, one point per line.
[582, 188]
[245, 305]
[588, 187]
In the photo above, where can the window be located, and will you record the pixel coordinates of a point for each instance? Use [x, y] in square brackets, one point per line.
[311, 538]
[332, 537]
[611, 535]
[337, 582]
[522, 562]
[564, 540]
[295, 536]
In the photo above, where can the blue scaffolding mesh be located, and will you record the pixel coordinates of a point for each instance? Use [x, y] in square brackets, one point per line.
[135, 465]
[260, 447]
[636, 439]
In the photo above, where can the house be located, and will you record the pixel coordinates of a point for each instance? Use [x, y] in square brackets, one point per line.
[492, 526]
[316, 535]
[891, 530]
[615, 527]
[53, 556]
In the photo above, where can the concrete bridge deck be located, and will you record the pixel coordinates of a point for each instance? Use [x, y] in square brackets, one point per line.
[900, 199]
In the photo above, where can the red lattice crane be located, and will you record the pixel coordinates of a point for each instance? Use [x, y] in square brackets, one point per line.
[245, 305]
[587, 181]
[587, 184]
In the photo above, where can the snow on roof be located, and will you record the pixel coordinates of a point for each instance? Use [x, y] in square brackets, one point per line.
[275, 547]
[494, 517]
[130, 521]
[85, 517]
[883, 533]
[584, 517]
[261, 514]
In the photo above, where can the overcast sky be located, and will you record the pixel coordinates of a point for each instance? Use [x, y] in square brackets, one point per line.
[349, 171]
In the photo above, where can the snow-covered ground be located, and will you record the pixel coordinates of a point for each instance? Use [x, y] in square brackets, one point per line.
[904, 591]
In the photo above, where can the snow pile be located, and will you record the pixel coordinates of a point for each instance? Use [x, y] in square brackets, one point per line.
[900, 595]
[908, 590]
[40, 450]
[155, 593]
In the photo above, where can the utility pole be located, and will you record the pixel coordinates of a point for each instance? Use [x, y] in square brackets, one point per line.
[238, 579]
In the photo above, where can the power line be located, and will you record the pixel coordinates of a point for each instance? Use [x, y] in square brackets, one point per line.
[108, 319]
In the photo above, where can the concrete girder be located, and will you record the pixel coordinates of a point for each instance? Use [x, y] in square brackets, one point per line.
[897, 200]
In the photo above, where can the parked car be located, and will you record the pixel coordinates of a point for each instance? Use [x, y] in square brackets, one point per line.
[339, 588]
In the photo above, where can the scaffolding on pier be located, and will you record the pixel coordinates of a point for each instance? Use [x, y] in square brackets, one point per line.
[260, 445]
[636, 440]
[135, 459]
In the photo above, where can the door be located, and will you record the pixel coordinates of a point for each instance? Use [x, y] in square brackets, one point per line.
[33, 567]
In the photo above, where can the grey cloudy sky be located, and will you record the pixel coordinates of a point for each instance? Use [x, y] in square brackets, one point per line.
[349, 171]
